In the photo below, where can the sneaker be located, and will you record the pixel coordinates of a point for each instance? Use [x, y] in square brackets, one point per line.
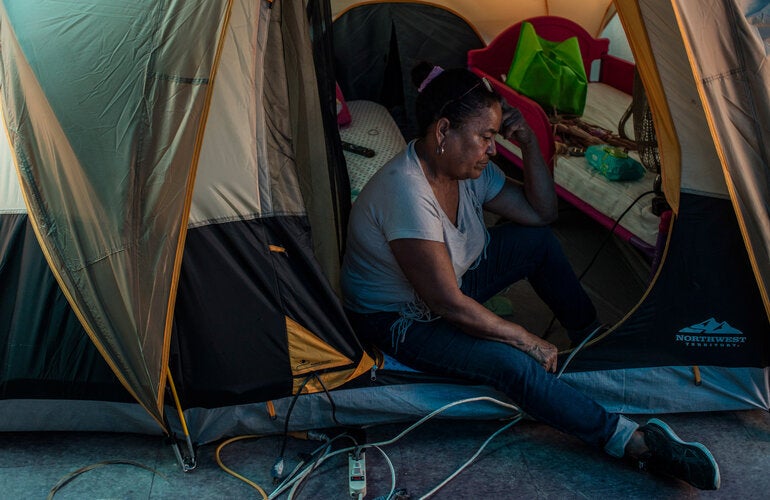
[669, 455]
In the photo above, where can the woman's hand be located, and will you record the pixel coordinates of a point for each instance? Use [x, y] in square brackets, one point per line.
[534, 202]
[540, 350]
[514, 126]
[543, 352]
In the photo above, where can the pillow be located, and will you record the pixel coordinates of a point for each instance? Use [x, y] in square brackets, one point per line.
[343, 113]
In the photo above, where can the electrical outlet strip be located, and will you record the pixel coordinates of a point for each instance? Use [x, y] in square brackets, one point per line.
[357, 475]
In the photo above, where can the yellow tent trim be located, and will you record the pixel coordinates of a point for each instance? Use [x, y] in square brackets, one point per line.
[335, 378]
[308, 354]
[668, 143]
[186, 209]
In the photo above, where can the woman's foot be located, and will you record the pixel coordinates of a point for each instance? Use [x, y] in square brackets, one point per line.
[657, 449]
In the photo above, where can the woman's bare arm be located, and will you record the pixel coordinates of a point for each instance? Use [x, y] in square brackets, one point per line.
[427, 266]
[533, 203]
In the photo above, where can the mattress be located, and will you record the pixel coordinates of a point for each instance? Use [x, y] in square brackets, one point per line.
[604, 107]
[372, 127]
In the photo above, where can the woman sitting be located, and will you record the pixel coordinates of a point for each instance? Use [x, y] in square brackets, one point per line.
[420, 262]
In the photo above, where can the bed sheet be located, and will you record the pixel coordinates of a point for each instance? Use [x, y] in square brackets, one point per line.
[604, 107]
[371, 127]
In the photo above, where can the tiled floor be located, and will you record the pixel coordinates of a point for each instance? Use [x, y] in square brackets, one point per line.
[529, 460]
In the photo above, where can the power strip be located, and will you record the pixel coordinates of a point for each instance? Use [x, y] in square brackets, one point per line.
[357, 475]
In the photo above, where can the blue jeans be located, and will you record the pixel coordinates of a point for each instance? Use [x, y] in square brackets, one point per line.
[439, 347]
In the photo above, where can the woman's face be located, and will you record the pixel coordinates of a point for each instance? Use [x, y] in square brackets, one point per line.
[469, 147]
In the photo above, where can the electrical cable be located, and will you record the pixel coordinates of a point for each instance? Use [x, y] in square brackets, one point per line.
[392, 472]
[325, 457]
[600, 248]
[217, 456]
[577, 349]
[296, 486]
[294, 481]
[611, 232]
[442, 409]
[329, 397]
[475, 455]
[277, 469]
[296, 468]
[289, 480]
[251, 483]
[289, 410]
[278, 466]
[72, 475]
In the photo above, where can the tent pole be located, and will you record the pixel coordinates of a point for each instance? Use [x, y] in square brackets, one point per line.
[188, 462]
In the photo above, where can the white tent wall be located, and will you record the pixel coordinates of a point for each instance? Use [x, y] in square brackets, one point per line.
[732, 75]
[701, 170]
[618, 42]
[235, 129]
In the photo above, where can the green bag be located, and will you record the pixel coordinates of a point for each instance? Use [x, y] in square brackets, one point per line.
[550, 73]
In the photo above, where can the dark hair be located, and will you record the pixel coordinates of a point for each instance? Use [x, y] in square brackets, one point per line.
[456, 94]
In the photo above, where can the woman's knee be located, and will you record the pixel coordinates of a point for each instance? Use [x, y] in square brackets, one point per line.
[546, 237]
[521, 238]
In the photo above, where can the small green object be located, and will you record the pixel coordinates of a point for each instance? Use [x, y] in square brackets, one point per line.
[500, 305]
[550, 73]
[614, 163]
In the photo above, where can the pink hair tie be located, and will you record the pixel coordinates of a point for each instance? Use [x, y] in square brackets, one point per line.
[437, 70]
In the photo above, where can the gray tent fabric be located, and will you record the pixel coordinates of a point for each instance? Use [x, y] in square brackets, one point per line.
[733, 72]
[101, 160]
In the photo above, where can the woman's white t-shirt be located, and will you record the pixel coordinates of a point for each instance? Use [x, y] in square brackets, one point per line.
[397, 203]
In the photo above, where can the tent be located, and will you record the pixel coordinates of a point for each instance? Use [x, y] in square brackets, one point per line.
[172, 213]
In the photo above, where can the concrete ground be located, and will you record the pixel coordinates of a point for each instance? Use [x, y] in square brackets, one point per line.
[530, 460]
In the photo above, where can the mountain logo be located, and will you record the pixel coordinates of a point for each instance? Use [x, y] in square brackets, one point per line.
[710, 333]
